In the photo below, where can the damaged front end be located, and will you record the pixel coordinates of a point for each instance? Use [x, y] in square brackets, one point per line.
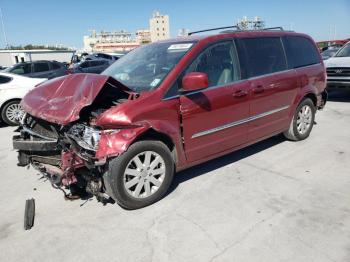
[68, 147]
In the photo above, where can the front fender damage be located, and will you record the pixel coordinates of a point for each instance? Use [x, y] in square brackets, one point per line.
[115, 142]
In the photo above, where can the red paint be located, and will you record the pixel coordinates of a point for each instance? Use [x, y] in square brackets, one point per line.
[69, 163]
[60, 100]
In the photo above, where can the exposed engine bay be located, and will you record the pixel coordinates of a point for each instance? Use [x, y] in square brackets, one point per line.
[66, 154]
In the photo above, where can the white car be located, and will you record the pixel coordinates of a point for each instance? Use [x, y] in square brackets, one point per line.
[12, 89]
[338, 69]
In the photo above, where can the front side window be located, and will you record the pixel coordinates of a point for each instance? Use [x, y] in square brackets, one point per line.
[144, 68]
[219, 62]
[20, 69]
[344, 52]
[301, 52]
[41, 67]
[264, 55]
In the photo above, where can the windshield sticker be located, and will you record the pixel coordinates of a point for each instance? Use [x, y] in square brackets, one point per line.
[180, 47]
[155, 82]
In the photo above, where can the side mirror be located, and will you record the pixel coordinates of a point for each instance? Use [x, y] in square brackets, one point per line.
[195, 81]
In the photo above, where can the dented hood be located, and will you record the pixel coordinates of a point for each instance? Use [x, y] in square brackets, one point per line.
[61, 99]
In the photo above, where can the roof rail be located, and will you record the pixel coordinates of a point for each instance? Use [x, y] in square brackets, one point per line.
[274, 28]
[213, 29]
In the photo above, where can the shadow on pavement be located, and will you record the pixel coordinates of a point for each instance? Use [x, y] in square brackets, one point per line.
[223, 161]
[339, 95]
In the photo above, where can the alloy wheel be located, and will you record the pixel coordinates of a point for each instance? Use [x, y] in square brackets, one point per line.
[144, 174]
[304, 119]
[14, 113]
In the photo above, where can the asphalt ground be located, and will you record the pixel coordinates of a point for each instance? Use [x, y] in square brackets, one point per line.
[273, 201]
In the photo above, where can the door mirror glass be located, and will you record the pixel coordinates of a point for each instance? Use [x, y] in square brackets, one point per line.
[195, 81]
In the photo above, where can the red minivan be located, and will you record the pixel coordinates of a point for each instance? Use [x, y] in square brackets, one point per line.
[167, 106]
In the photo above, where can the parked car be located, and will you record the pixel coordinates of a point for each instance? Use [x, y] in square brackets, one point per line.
[12, 90]
[91, 66]
[338, 69]
[101, 56]
[329, 53]
[167, 106]
[39, 69]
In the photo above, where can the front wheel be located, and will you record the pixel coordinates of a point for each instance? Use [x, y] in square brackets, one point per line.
[140, 176]
[12, 113]
[302, 122]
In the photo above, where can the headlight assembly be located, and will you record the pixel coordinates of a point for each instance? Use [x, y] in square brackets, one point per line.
[85, 136]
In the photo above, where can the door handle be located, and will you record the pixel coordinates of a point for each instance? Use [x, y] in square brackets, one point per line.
[259, 89]
[240, 93]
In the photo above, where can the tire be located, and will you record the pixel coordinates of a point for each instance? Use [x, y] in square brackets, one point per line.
[302, 122]
[133, 184]
[12, 113]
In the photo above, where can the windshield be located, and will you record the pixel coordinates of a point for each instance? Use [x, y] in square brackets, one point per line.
[329, 52]
[145, 68]
[344, 52]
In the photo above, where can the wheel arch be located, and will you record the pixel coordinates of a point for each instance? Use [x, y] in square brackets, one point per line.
[152, 134]
[312, 96]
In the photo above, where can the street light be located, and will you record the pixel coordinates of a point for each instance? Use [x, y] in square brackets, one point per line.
[3, 29]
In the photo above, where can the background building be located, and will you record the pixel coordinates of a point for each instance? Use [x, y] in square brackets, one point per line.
[251, 24]
[183, 32]
[159, 27]
[117, 41]
[143, 36]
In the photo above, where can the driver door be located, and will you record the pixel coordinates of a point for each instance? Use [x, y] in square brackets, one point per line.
[213, 118]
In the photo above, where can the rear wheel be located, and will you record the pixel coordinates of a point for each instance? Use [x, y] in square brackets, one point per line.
[12, 113]
[140, 176]
[302, 122]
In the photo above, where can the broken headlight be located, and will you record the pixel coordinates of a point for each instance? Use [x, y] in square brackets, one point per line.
[85, 136]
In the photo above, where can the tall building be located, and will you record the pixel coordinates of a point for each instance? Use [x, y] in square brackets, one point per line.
[159, 27]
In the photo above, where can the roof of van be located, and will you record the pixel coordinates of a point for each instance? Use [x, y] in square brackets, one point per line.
[232, 33]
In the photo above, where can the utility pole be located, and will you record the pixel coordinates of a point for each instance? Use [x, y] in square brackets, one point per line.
[3, 29]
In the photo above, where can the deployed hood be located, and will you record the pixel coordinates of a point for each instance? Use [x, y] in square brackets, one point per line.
[60, 100]
[338, 62]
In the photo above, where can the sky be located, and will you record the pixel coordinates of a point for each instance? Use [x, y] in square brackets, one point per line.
[67, 21]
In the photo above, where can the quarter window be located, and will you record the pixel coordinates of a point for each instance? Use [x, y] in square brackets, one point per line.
[55, 66]
[300, 52]
[263, 56]
[219, 62]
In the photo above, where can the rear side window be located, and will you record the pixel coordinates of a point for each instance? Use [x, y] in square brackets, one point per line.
[263, 55]
[5, 79]
[300, 52]
[97, 63]
[104, 56]
[41, 67]
[84, 64]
